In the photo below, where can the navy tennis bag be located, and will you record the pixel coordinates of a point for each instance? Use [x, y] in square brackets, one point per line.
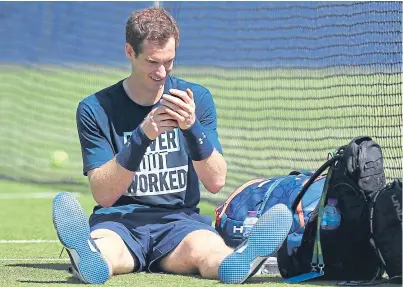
[259, 195]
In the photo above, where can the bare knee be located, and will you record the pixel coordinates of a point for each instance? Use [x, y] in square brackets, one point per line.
[202, 244]
[114, 250]
[200, 252]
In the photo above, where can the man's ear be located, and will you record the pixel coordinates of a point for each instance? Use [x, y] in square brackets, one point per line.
[129, 51]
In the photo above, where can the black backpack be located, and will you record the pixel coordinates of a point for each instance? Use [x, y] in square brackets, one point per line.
[355, 175]
[386, 227]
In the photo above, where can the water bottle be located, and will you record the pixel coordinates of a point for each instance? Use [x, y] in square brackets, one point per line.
[248, 223]
[331, 215]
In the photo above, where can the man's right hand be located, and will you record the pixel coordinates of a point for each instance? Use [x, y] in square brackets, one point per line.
[157, 122]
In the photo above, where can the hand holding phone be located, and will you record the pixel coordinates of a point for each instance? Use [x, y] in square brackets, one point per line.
[181, 106]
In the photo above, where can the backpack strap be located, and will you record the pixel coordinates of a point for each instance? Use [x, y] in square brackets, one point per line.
[318, 172]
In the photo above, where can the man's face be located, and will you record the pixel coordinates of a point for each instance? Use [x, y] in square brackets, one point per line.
[154, 64]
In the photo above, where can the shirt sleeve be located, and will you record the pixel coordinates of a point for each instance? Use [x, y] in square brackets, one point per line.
[95, 148]
[207, 115]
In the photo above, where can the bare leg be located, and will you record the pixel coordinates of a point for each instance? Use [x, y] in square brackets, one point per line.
[205, 252]
[115, 251]
[201, 251]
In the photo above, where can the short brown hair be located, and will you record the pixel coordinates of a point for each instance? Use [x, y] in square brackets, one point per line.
[152, 24]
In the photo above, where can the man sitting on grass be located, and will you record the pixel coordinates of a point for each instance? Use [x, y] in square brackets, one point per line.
[146, 142]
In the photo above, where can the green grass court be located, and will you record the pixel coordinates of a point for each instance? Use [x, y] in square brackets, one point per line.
[270, 123]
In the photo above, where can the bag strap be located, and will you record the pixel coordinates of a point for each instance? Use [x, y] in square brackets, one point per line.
[317, 173]
[267, 196]
[317, 255]
[317, 261]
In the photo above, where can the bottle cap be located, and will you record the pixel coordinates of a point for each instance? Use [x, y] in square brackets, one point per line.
[332, 201]
[252, 213]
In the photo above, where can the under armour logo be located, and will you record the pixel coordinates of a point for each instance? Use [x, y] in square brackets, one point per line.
[397, 206]
[236, 229]
[200, 140]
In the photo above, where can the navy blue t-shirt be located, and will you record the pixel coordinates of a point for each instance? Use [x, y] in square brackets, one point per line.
[166, 176]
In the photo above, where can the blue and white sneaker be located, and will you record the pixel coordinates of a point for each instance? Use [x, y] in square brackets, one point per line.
[265, 238]
[73, 230]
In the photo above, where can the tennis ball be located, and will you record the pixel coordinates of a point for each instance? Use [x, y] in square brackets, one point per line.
[59, 158]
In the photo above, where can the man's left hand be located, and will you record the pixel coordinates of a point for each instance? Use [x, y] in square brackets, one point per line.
[181, 107]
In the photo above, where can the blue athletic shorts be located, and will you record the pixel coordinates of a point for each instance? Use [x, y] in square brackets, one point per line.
[149, 233]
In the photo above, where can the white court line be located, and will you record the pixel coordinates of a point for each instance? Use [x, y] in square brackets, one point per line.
[31, 259]
[34, 259]
[27, 241]
[33, 195]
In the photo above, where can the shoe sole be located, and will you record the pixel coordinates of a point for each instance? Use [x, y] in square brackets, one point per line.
[73, 230]
[266, 237]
